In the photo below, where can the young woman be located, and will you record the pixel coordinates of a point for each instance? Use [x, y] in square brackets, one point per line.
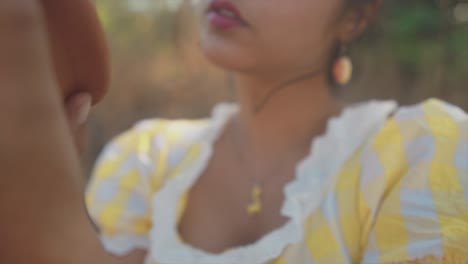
[289, 174]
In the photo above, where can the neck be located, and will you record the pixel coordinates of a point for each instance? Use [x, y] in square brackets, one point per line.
[288, 119]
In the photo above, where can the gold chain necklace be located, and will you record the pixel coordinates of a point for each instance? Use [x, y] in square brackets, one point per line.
[255, 206]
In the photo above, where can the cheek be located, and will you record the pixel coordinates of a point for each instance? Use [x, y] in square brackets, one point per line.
[297, 31]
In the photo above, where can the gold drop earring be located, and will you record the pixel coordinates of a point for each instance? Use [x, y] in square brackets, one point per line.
[342, 70]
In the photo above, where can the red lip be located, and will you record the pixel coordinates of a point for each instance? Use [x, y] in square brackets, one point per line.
[224, 14]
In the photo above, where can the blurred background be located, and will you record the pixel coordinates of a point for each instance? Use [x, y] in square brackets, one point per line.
[417, 49]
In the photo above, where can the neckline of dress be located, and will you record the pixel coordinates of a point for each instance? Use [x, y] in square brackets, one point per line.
[302, 195]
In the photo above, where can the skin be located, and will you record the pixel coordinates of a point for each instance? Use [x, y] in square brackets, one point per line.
[33, 111]
[269, 142]
[275, 137]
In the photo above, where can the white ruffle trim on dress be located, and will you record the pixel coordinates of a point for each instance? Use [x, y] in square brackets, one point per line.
[122, 245]
[315, 177]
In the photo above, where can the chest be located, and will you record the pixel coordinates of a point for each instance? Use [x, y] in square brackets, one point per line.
[216, 218]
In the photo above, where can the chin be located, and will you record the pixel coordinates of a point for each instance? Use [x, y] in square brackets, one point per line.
[227, 55]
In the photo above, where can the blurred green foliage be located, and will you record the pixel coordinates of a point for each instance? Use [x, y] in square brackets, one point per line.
[422, 32]
[138, 30]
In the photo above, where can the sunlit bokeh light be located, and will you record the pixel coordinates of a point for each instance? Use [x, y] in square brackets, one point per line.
[461, 13]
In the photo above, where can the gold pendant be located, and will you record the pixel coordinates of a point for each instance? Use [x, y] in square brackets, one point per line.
[256, 205]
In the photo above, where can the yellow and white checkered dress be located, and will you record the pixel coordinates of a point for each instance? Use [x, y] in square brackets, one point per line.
[373, 190]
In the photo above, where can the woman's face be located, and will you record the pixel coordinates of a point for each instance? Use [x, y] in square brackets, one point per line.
[275, 37]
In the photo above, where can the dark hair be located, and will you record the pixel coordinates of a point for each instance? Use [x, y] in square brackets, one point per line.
[337, 50]
[359, 2]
